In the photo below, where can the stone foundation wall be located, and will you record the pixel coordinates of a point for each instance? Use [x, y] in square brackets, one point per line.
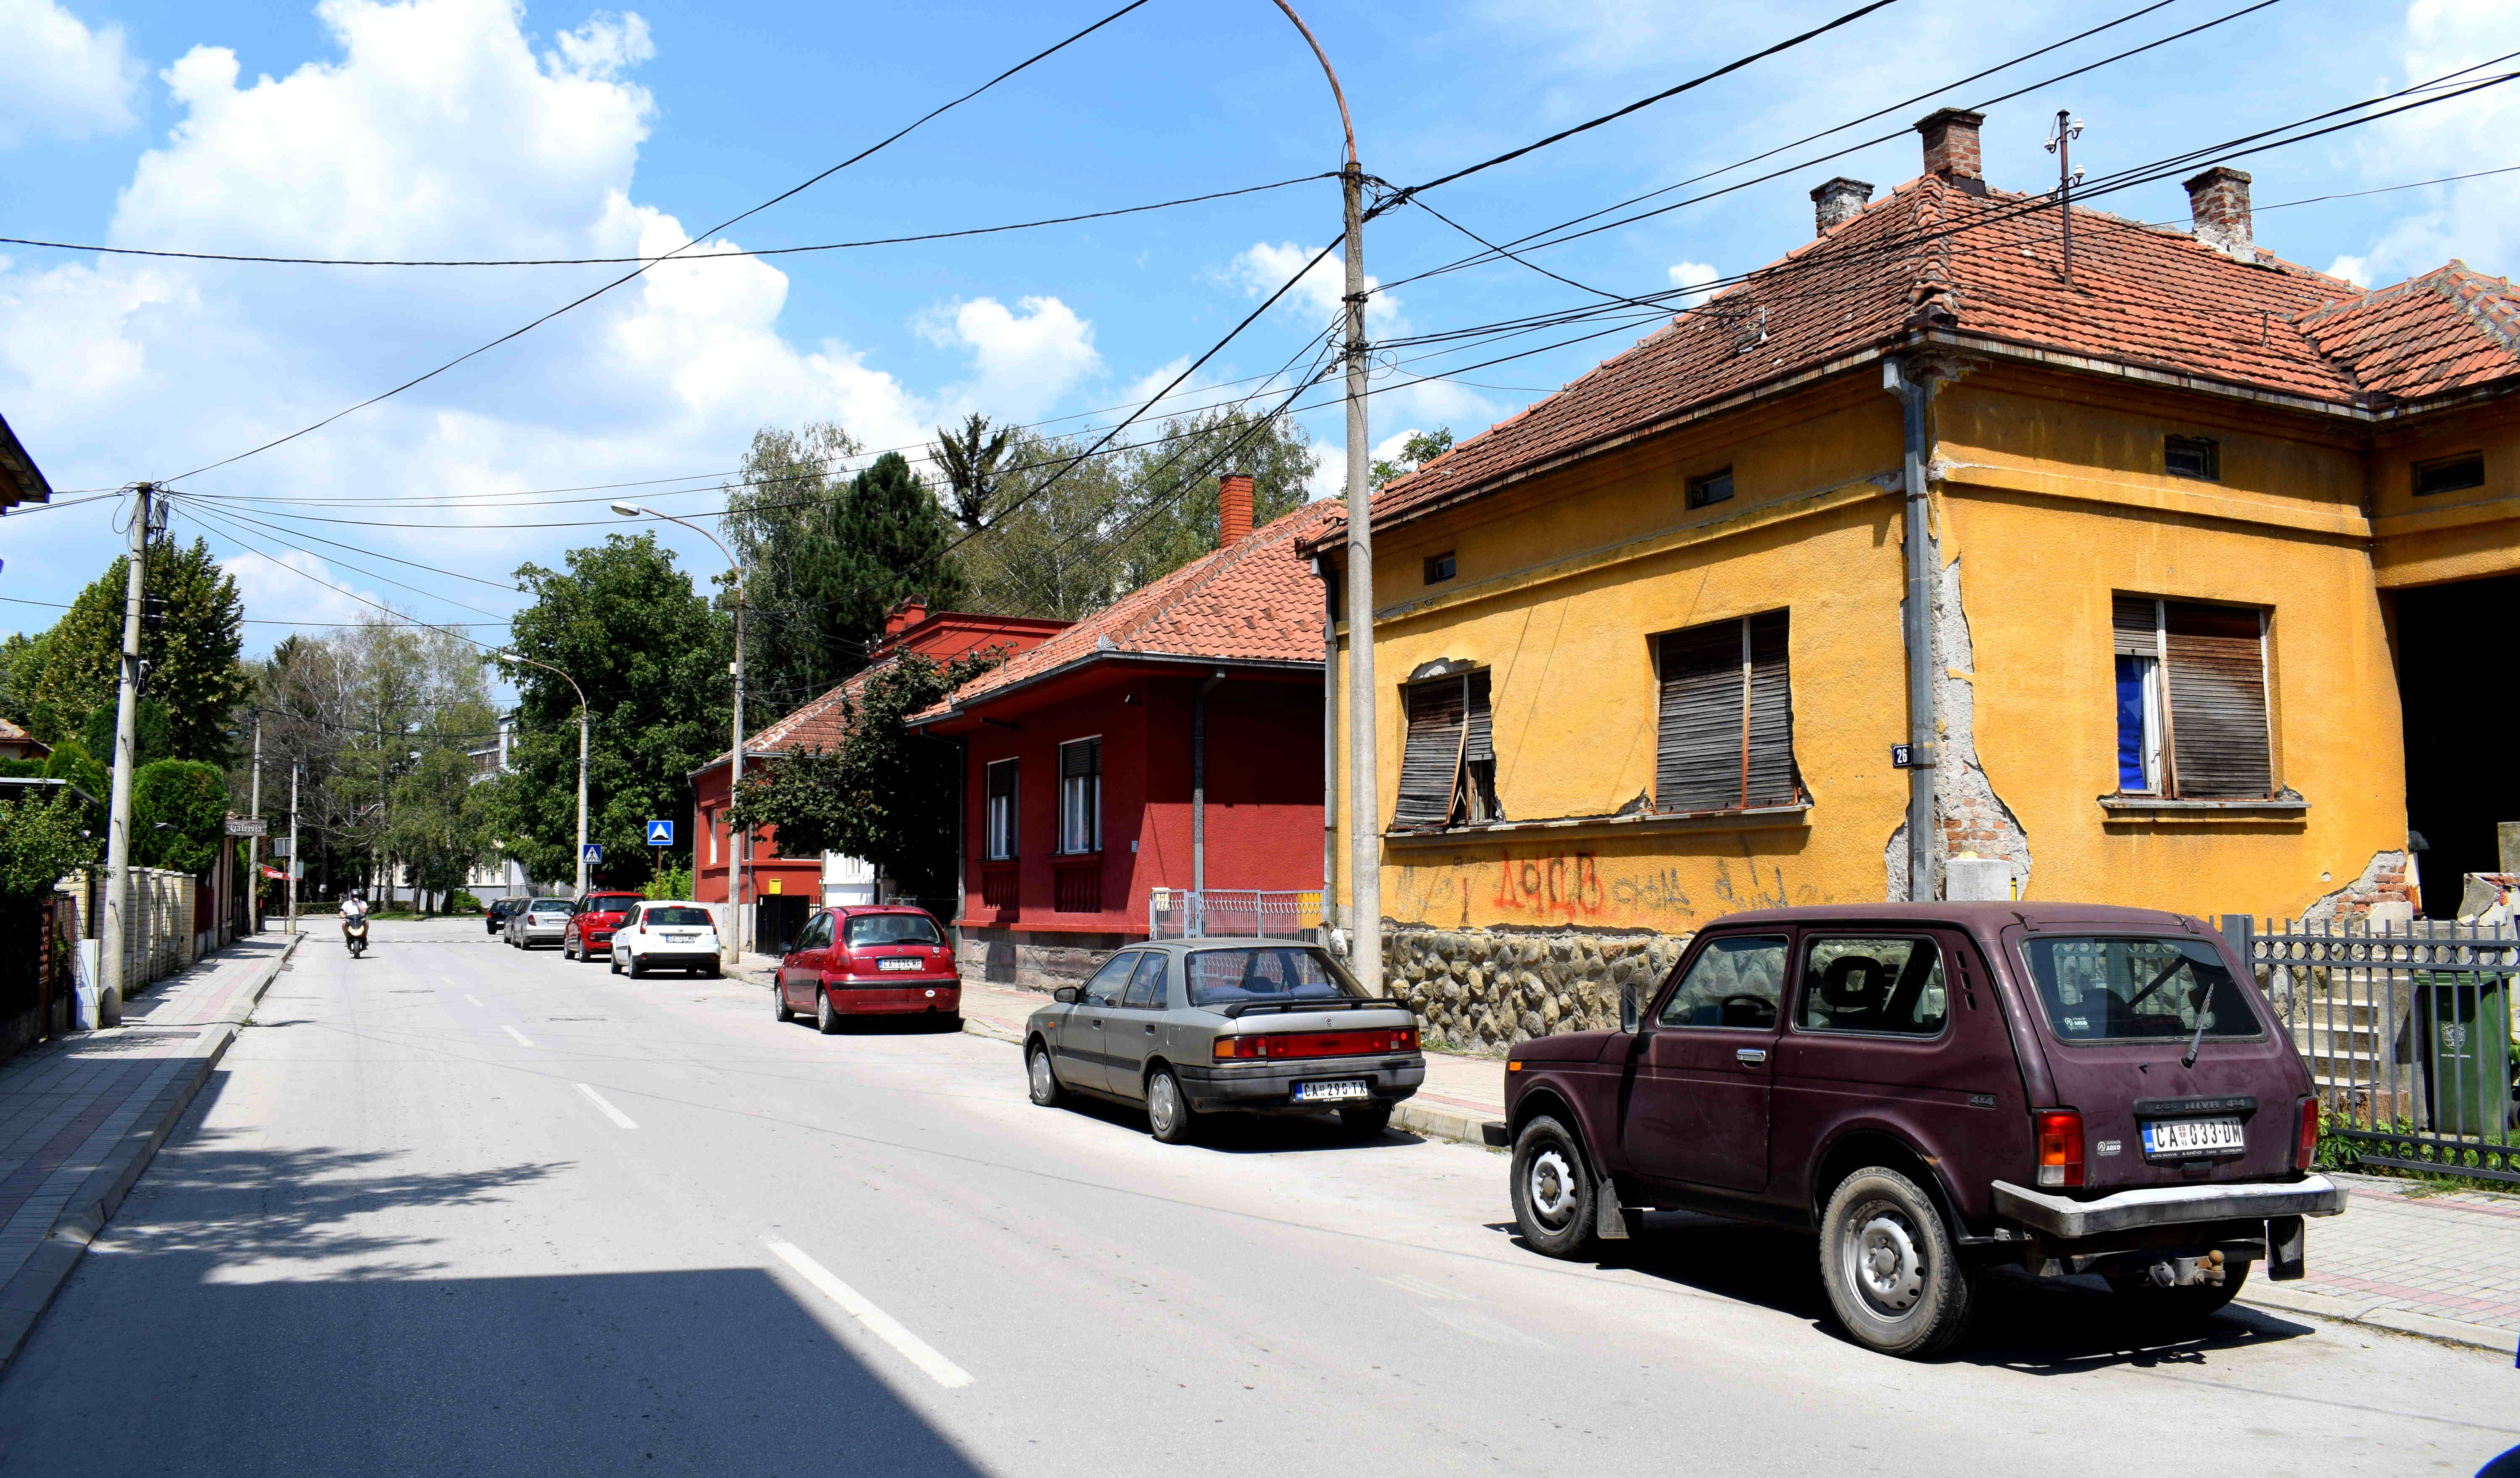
[1482, 990]
[1029, 960]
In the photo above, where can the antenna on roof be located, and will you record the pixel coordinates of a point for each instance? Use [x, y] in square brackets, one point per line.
[2060, 143]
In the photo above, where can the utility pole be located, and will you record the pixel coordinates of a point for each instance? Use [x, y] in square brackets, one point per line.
[2060, 144]
[113, 936]
[253, 843]
[295, 863]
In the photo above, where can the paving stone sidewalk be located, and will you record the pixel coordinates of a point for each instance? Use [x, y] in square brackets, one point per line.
[81, 1116]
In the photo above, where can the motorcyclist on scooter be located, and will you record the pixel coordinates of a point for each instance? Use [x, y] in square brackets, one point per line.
[354, 921]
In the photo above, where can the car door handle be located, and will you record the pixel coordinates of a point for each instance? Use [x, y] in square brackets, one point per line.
[1751, 1056]
[1098, 1024]
[1150, 1028]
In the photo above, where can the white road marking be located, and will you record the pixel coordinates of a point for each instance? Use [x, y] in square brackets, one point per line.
[476, 1000]
[521, 1039]
[1480, 1326]
[610, 1112]
[880, 1324]
[1423, 1288]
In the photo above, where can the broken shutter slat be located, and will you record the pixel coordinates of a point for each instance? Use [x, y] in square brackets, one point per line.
[1774, 780]
[2218, 701]
[1430, 767]
[1698, 758]
[2130, 625]
[1481, 741]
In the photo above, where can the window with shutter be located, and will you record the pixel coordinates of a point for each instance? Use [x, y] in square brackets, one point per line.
[1448, 770]
[1726, 726]
[1080, 796]
[2191, 699]
[1000, 818]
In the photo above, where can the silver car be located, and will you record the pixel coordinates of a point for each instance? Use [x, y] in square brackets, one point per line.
[1202, 1026]
[541, 922]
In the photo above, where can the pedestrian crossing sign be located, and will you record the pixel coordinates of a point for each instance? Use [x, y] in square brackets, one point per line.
[592, 852]
[661, 833]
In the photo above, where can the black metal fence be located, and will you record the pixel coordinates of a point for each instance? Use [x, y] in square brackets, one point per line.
[2409, 1032]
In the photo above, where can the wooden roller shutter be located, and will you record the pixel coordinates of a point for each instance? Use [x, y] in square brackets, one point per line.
[1430, 769]
[1080, 757]
[2131, 622]
[1479, 736]
[1771, 779]
[1698, 750]
[2218, 701]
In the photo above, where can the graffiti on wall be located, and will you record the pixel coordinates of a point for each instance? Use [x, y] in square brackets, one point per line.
[1581, 887]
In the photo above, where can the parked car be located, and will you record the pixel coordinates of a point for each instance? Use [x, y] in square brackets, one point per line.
[542, 920]
[495, 917]
[1939, 1090]
[1204, 1026]
[674, 934]
[883, 959]
[592, 923]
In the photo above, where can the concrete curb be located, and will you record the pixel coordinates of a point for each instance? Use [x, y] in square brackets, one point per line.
[2392, 1319]
[80, 1222]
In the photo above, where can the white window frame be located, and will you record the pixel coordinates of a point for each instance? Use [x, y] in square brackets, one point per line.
[1080, 802]
[999, 810]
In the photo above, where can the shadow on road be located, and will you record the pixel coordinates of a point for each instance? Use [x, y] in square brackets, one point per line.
[1247, 1132]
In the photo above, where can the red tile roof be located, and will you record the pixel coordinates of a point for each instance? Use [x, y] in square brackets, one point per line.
[1256, 600]
[1987, 268]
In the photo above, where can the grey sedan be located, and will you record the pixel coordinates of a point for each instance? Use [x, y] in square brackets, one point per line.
[1198, 1026]
[541, 922]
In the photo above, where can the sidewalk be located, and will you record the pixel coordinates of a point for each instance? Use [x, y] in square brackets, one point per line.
[80, 1117]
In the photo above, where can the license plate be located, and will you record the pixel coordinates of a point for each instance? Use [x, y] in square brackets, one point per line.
[1322, 1092]
[897, 962]
[2186, 1137]
[681, 938]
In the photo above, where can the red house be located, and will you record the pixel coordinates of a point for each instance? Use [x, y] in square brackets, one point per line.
[784, 889]
[1171, 740]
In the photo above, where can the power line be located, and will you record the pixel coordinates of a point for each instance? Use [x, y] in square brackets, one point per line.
[697, 257]
[642, 269]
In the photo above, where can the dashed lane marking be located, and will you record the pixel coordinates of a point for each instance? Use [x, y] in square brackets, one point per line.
[521, 1039]
[610, 1112]
[880, 1324]
[476, 1000]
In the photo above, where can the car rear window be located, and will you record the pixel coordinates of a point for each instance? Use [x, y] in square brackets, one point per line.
[1224, 977]
[675, 918]
[2097, 988]
[550, 906]
[620, 904]
[892, 928]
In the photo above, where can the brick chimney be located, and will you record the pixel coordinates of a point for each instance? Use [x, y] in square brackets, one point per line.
[2218, 200]
[908, 613]
[1950, 148]
[1233, 502]
[1839, 201]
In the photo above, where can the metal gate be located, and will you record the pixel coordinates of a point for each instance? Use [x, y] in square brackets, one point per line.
[2409, 1032]
[1234, 912]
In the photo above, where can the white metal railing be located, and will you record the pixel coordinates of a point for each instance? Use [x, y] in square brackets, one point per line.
[1233, 913]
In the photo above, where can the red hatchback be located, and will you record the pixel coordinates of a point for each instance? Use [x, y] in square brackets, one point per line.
[888, 960]
[589, 934]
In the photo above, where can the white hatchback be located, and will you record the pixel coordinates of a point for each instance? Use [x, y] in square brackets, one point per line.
[667, 933]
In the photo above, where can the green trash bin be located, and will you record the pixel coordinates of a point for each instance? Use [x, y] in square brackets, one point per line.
[2466, 1024]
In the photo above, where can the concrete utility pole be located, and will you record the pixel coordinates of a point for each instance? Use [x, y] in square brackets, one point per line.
[505, 656]
[295, 863]
[1364, 840]
[738, 880]
[1913, 382]
[113, 936]
[253, 843]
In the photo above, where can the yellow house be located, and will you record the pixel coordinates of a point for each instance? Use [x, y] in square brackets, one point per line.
[1922, 564]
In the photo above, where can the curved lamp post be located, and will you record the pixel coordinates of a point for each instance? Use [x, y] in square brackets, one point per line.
[1365, 843]
[506, 655]
[738, 868]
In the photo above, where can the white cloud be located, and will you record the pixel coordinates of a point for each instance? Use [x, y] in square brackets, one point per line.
[1263, 268]
[606, 46]
[1693, 275]
[307, 590]
[2353, 269]
[1023, 359]
[59, 79]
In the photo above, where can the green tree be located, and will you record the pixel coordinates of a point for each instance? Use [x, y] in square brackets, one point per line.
[1421, 448]
[194, 671]
[1174, 513]
[893, 540]
[178, 815]
[882, 795]
[1045, 553]
[42, 842]
[440, 825]
[972, 462]
[651, 654]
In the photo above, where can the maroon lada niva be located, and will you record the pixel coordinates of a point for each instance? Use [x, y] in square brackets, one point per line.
[1938, 1090]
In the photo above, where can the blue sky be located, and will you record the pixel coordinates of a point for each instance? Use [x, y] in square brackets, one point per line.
[483, 128]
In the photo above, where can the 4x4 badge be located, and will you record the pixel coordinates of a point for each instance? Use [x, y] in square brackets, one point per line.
[1981, 1100]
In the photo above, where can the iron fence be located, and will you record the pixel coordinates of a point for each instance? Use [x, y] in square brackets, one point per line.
[2409, 1031]
[1234, 912]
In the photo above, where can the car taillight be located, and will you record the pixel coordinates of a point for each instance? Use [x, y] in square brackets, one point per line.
[2060, 1147]
[1318, 1044]
[2305, 1151]
[1241, 1047]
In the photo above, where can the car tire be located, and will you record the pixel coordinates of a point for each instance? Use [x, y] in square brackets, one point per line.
[1553, 1193]
[638, 968]
[567, 951]
[826, 1021]
[2149, 1300]
[1168, 1111]
[709, 971]
[1891, 1265]
[779, 1010]
[1041, 1080]
[1366, 1121]
[616, 964]
[953, 1023]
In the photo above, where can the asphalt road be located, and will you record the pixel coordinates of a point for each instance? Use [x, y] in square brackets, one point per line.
[453, 1209]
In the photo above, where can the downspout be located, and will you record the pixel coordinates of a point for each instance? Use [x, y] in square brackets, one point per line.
[1329, 744]
[1199, 785]
[1915, 392]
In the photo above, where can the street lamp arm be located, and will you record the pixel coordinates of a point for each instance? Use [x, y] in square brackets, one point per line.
[732, 562]
[506, 655]
[1345, 126]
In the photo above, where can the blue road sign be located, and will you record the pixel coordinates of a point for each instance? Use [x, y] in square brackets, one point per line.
[594, 851]
[661, 833]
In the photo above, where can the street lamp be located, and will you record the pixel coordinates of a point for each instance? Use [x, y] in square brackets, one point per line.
[1365, 843]
[737, 865]
[505, 656]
